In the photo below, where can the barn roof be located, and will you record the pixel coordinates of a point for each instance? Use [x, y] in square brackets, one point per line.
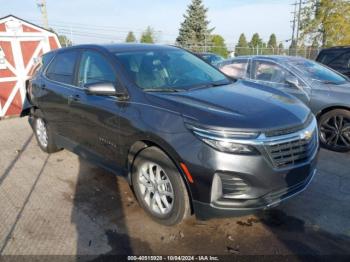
[27, 22]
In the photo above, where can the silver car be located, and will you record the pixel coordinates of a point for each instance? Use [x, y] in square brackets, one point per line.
[324, 90]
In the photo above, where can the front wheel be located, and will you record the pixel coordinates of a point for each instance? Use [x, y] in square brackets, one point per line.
[159, 187]
[335, 130]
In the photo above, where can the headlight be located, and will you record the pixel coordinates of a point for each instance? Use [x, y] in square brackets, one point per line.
[226, 141]
[229, 147]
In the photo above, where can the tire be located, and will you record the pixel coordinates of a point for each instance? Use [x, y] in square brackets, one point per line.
[334, 129]
[42, 129]
[153, 192]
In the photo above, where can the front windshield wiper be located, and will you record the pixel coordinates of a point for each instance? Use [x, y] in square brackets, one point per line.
[170, 90]
[213, 84]
[328, 82]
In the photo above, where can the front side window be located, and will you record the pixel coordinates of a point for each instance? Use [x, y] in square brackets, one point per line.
[62, 67]
[235, 69]
[169, 70]
[270, 72]
[94, 68]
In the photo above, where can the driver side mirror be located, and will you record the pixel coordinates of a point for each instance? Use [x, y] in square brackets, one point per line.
[292, 81]
[102, 89]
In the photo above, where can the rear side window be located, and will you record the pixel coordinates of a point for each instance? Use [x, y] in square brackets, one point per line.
[62, 67]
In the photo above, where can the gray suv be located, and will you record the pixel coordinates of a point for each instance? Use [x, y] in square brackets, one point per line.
[324, 90]
[187, 138]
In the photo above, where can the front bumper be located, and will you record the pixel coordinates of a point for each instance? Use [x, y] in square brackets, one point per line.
[243, 207]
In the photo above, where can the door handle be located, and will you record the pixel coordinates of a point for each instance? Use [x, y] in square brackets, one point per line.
[73, 98]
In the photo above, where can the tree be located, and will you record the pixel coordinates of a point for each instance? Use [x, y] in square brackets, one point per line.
[130, 38]
[63, 39]
[242, 47]
[194, 32]
[272, 41]
[281, 49]
[271, 47]
[327, 21]
[218, 46]
[256, 43]
[147, 36]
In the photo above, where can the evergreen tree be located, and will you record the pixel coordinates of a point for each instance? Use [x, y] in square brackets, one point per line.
[194, 29]
[130, 38]
[242, 47]
[147, 36]
[281, 49]
[218, 46]
[272, 44]
[256, 44]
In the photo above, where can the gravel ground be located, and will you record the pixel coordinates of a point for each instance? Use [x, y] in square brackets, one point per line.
[60, 204]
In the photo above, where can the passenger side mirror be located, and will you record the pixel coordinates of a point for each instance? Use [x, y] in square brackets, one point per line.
[101, 89]
[292, 81]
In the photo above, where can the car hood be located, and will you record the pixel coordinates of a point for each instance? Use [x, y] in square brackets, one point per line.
[241, 105]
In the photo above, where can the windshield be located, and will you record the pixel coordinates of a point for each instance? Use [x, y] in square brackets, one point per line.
[169, 70]
[318, 72]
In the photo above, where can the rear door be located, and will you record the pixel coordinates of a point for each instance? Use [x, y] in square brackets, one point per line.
[274, 75]
[56, 88]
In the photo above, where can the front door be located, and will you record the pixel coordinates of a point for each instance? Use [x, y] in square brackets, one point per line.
[95, 118]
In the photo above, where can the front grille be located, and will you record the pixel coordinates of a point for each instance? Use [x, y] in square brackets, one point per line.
[293, 151]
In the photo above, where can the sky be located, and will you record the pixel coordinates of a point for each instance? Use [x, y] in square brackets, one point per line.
[104, 21]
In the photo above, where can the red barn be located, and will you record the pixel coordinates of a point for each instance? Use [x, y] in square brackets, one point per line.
[21, 43]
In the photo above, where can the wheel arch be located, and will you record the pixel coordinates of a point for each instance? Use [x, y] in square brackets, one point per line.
[330, 108]
[138, 146]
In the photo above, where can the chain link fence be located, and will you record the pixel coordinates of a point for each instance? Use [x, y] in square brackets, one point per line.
[307, 52]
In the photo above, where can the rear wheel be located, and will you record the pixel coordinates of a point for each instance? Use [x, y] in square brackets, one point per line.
[159, 187]
[43, 133]
[335, 130]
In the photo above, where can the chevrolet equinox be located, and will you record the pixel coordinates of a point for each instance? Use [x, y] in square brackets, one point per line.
[188, 139]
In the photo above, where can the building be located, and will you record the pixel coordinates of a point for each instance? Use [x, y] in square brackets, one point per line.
[21, 43]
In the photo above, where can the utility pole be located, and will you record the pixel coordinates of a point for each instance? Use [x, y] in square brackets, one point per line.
[42, 6]
[299, 16]
[294, 21]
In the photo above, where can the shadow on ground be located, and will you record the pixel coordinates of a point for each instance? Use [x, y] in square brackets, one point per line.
[98, 197]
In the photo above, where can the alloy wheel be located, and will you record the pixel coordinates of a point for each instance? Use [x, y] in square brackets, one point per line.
[156, 188]
[335, 132]
[41, 132]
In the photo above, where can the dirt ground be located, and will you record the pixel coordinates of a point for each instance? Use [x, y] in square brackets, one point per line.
[60, 204]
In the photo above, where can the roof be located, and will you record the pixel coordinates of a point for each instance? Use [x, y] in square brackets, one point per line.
[123, 47]
[271, 57]
[336, 47]
[27, 22]
[136, 47]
